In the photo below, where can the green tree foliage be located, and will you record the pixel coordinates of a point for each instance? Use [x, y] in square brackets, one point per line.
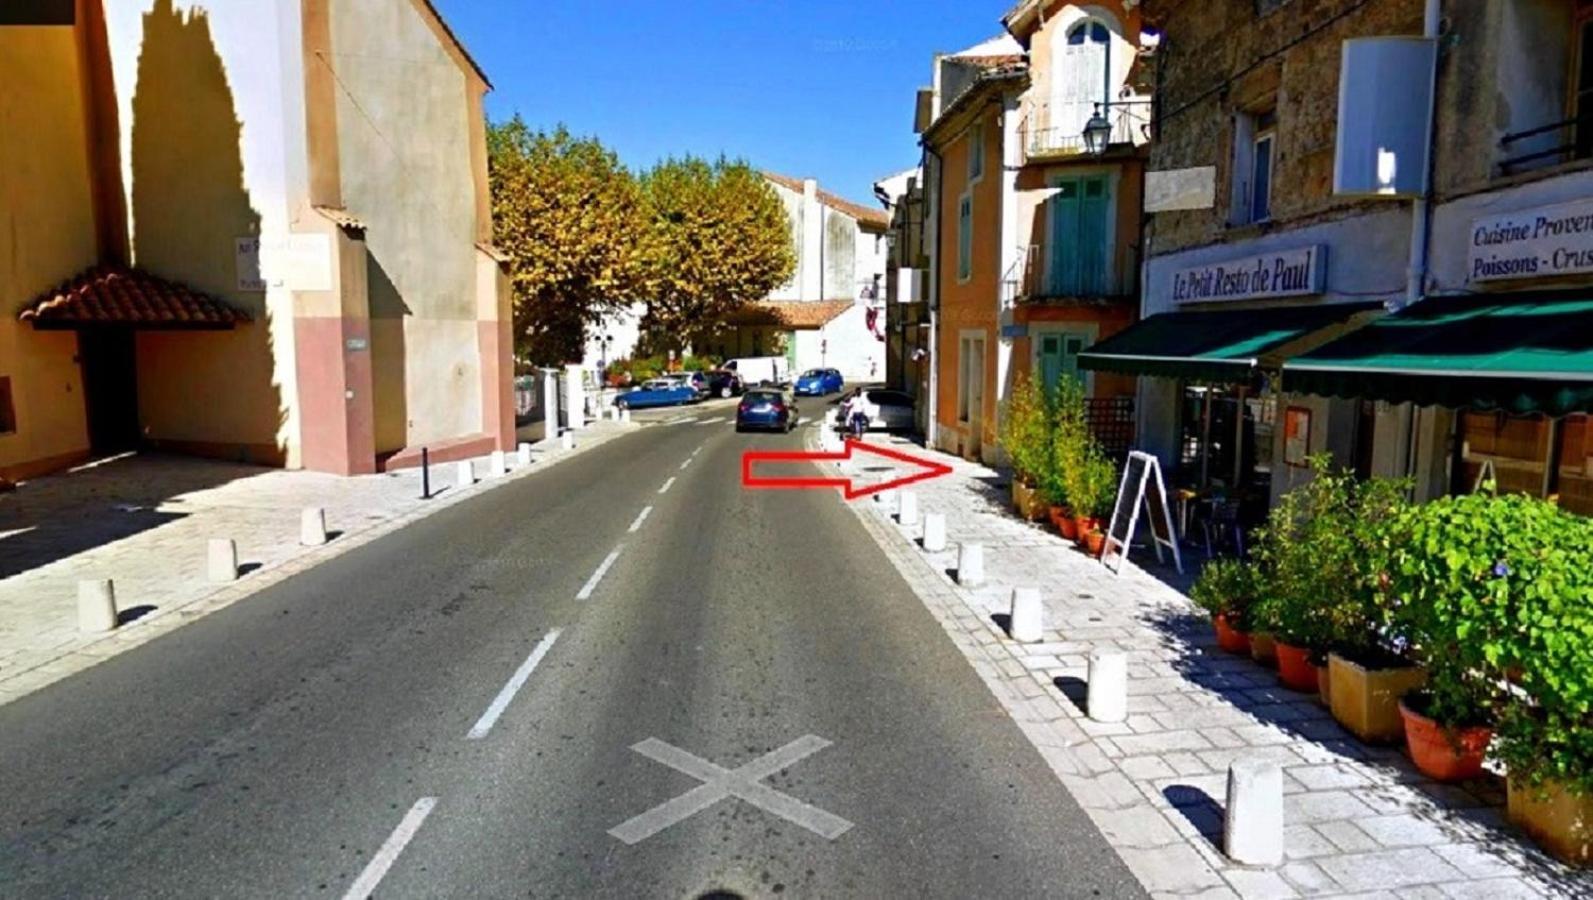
[718, 239]
[576, 223]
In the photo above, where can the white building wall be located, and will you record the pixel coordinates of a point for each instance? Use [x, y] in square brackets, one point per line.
[1449, 250]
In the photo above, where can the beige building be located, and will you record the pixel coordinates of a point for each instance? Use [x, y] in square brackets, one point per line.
[256, 231]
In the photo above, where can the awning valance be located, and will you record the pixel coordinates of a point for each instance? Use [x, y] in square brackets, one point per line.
[1224, 345]
[1520, 353]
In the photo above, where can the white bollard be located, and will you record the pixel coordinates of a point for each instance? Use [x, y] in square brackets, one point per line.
[312, 526]
[464, 474]
[1108, 687]
[625, 415]
[567, 440]
[907, 508]
[223, 560]
[96, 605]
[1253, 821]
[497, 464]
[523, 454]
[1027, 622]
[970, 565]
[934, 532]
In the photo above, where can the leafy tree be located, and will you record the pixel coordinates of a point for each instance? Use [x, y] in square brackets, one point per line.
[575, 222]
[719, 239]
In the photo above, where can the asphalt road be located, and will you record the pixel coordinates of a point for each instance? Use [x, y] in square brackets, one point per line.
[338, 731]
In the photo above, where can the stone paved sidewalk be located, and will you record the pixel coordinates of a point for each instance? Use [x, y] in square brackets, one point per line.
[1359, 820]
[145, 521]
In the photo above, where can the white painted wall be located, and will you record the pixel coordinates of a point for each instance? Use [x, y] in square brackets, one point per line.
[623, 327]
[1451, 229]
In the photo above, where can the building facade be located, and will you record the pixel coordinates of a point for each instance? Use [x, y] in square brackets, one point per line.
[1039, 249]
[831, 313]
[241, 236]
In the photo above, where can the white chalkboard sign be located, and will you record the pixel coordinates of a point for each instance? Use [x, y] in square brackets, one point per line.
[1142, 487]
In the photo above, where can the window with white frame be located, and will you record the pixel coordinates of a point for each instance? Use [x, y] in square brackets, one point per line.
[964, 237]
[1254, 163]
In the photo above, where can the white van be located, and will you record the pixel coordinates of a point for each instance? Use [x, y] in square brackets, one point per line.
[756, 370]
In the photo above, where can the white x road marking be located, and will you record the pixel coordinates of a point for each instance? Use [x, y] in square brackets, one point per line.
[741, 783]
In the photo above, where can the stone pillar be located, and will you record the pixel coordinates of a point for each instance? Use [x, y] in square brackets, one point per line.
[575, 396]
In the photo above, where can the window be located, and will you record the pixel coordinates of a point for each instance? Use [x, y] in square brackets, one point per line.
[1528, 454]
[964, 238]
[1582, 102]
[1254, 162]
[8, 412]
[1057, 357]
[976, 152]
[1080, 214]
[1081, 80]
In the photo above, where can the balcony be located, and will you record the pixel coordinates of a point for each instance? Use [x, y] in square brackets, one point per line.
[1056, 131]
[1547, 145]
[1028, 282]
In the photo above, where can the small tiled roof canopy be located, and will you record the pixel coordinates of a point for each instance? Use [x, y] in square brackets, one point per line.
[114, 295]
[797, 314]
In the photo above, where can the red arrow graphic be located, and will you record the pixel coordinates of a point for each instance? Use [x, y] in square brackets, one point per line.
[927, 469]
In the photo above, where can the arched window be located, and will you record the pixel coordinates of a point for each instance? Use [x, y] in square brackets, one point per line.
[1080, 76]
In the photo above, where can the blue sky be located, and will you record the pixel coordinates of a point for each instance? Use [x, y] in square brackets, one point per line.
[820, 88]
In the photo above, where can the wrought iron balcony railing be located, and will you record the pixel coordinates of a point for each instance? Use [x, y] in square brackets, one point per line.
[1550, 144]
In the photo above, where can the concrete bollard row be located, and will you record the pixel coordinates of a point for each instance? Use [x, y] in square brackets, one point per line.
[907, 508]
[1253, 821]
[970, 565]
[934, 532]
[522, 455]
[497, 464]
[1108, 685]
[1027, 623]
[312, 526]
[222, 561]
[96, 605]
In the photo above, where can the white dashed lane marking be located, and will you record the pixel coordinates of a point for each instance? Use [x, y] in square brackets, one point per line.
[666, 485]
[366, 884]
[516, 682]
[591, 583]
[640, 518]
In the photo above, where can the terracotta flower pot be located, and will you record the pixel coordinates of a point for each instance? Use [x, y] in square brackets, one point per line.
[1026, 500]
[1062, 518]
[1094, 542]
[1263, 649]
[1229, 638]
[1085, 525]
[1444, 754]
[1295, 669]
[1560, 820]
[1366, 700]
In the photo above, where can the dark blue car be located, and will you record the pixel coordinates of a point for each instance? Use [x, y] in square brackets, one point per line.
[658, 392]
[818, 382]
[766, 411]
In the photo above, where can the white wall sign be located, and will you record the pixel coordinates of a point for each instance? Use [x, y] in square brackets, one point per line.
[1173, 189]
[298, 262]
[1533, 243]
[1286, 273]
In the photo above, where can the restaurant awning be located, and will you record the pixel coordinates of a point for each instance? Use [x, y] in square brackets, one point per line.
[1224, 345]
[1521, 353]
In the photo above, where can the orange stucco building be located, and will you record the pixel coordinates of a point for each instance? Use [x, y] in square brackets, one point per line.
[1037, 251]
[240, 232]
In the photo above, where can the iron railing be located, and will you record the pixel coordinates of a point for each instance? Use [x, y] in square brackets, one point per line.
[1573, 137]
[1050, 131]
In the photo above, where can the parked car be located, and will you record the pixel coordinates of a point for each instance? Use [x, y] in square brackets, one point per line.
[819, 382]
[696, 380]
[887, 410]
[658, 392]
[724, 383]
[767, 410]
[760, 370]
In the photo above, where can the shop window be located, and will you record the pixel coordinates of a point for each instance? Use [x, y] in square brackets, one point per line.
[1254, 163]
[1574, 477]
[964, 238]
[1529, 454]
[1227, 437]
[8, 412]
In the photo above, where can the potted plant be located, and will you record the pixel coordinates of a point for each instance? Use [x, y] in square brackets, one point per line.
[1092, 490]
[1070, 442]
[1453, 598]
[1226, 590]
[1026, 436]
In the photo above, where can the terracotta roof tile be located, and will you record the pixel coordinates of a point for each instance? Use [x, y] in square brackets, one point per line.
[865, 215]
[342, 217]
[798, 314]
[114, 295]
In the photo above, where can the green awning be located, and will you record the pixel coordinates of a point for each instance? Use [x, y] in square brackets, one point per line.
[1223, 345]
[1521, 353]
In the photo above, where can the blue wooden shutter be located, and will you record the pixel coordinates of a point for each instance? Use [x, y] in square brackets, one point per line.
[1064, 242]
[1092, 236]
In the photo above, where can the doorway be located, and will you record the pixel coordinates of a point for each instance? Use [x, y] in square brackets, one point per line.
[110, 387]
[971, 394]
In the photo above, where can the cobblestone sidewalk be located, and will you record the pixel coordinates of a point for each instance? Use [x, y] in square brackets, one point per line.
[1359, 820]
[145, 521]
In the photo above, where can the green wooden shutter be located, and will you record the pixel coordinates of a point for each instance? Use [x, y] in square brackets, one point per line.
[1064, 242]
[1092, 237]
[1050, 361]
[1072, 346]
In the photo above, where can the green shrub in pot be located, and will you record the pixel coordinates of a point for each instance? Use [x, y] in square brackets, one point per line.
[1026, 431]
[1070, 441]
[1227, 588]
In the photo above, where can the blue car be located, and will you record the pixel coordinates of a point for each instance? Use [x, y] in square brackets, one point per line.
[765, 410]
[657, 392]
[818, 382]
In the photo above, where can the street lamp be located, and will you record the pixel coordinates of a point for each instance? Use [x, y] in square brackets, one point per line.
[1097, 133]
